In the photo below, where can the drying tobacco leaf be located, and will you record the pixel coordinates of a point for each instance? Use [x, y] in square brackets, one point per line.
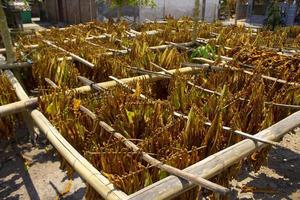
[7, 96]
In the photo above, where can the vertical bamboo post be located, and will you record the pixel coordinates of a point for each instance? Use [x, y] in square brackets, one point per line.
[32, 129]
[10, 52]
[11, 58]
[203, 9]
[196, 20]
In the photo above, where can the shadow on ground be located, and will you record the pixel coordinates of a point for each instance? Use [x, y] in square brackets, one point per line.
[28, 172]
[279, 179]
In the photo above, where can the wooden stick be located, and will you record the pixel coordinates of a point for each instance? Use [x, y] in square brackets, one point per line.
[86, 81]
[75, 57]
[51, 83]
[162, 47]
[145, 71]
[178, 46]
[171, 170]
[277, 80]
[126, 86]
[15, 65]
[205, 60]
[224, 127]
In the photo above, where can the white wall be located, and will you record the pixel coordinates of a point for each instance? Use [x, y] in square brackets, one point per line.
[179, 8]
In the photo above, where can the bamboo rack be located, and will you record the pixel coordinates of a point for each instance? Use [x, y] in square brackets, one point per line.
[171, 186]
[15, 65]
[181, 180]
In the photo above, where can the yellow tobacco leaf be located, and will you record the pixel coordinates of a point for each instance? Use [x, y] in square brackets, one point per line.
[138, 89]
[76, 104]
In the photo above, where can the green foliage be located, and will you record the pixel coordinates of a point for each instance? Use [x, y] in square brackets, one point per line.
[206, 51]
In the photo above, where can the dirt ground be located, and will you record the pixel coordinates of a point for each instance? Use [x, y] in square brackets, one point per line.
[279, 179]
[41, 178]
[33, 172]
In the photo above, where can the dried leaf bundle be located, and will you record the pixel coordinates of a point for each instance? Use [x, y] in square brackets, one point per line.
[7, 95]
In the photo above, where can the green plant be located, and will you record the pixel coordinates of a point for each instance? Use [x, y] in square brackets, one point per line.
[206, 51]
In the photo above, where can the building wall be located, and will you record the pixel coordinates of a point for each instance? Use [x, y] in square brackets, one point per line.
[290, 10]
[51, 10]
[179, 8]
[71, 11]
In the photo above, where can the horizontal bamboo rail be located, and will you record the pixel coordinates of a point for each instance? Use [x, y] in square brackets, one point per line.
[86, 81]
[17, 107]
[23, 104]
[89, 173]
[15, 65]
[3, 50]
[172, 186]
[152, 78]
[162, 47]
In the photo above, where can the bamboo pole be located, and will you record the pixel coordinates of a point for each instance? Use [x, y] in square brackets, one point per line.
[196, 20]
[51, 83]
[171, 170]
[15, 65]
[178, 45]
[86, 81]
[90, 174]
[22, 95]
[6, 39]
[152, 78]
[75, 57]
[162, 47]
[106, 85]
[277, 80]
[209, 167]
[17, 107]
